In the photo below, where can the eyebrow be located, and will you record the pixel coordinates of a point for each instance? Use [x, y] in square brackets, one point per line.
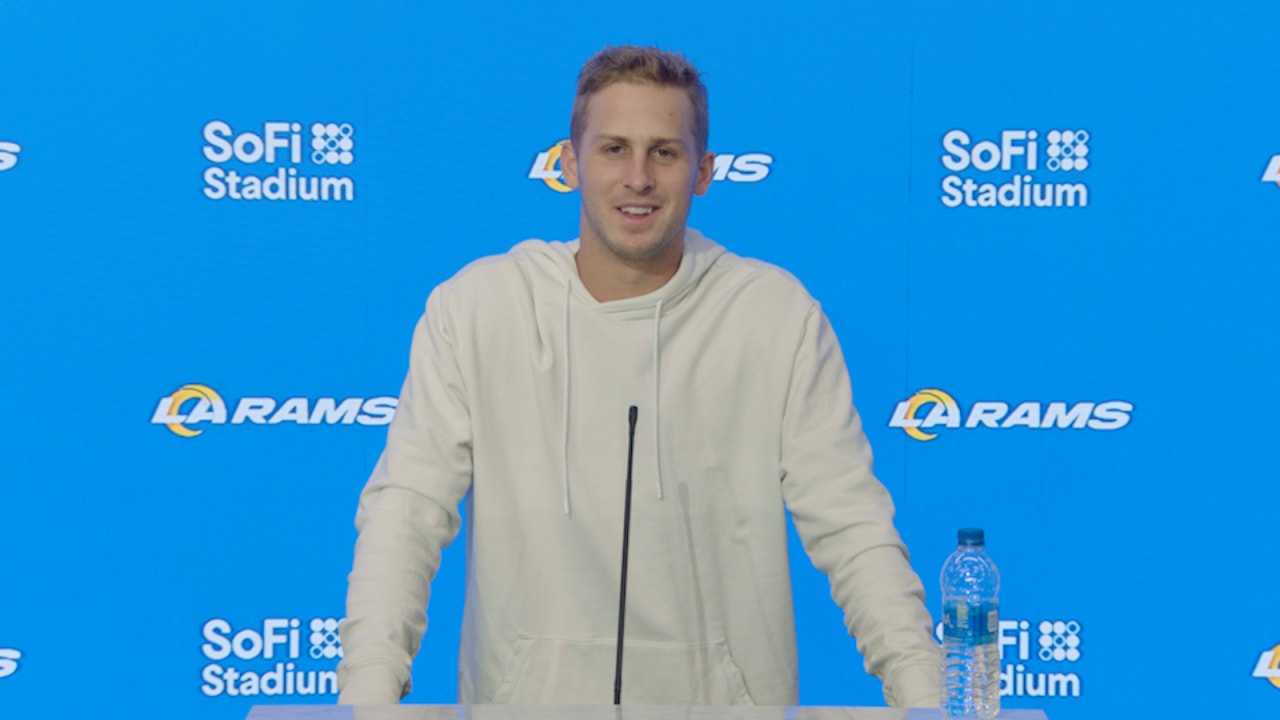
[627, 141]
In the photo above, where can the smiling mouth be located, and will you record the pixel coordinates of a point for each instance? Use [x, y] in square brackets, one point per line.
[637, 211]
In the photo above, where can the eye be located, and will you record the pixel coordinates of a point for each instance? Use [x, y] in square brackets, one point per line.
[614, 149]
[665, 153]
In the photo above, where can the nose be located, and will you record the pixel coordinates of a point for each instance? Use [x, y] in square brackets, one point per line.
[638, 178]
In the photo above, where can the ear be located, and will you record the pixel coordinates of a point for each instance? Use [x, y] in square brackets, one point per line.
[706, 169]
[569, 164]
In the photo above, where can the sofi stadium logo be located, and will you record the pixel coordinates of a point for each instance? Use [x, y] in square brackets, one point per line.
[284, 156]
[278, 656]
[1038, 657]
[1268, 666]
[9, 658]
[9, 154]
[1270, 175]
[934, 408]
[1015, 170]
[745, 168]
[192, 405]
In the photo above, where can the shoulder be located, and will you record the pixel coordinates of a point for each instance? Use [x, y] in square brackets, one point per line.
[530, 257]
[515, 275]
[759, 283]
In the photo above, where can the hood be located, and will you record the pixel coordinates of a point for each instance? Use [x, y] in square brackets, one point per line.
[699, 255]
[558, 258]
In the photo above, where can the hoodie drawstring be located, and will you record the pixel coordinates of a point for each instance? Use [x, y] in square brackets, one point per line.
[564, 413]
[564, 410]
[657, 346]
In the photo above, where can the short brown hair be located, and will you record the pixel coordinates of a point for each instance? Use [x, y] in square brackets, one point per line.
[646, 65]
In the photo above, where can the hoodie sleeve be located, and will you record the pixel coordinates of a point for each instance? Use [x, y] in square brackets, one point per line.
[408, 513]
[844, 517]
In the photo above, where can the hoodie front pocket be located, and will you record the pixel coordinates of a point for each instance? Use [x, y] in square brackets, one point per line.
[562, 671]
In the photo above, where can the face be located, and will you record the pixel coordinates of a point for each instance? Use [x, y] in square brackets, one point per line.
[638, 167]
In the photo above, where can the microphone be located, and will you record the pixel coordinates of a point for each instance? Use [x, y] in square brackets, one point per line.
[626, 538]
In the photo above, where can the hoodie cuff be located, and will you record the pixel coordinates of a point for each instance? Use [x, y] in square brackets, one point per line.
[371, 684]
[915, 686]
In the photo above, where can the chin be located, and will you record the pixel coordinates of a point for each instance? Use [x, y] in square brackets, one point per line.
[641, 250]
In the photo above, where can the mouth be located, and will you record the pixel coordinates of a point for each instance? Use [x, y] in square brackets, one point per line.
[637, 213]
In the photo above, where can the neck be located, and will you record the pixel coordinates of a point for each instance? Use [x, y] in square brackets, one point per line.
[608, 277]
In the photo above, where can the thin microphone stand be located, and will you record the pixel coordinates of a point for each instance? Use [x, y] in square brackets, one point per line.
[626, 538]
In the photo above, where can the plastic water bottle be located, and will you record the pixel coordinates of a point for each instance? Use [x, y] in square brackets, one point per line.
[970, 624]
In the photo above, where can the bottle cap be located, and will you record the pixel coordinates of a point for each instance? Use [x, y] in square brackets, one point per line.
[971, 536]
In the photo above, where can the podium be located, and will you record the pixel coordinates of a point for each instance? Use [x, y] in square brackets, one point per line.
[598, 712]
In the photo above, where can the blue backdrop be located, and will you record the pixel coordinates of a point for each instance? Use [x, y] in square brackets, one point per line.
[1042, 232]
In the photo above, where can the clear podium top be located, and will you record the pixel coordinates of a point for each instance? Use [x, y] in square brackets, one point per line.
[597, 712]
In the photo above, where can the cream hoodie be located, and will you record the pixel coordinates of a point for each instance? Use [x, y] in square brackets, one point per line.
[517, 393]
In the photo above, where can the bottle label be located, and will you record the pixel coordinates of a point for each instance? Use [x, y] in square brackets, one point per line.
[971, 624]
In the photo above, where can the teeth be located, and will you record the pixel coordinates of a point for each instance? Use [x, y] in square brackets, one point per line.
[632, 210]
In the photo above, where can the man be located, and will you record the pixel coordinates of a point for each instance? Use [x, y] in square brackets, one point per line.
[521, 375]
